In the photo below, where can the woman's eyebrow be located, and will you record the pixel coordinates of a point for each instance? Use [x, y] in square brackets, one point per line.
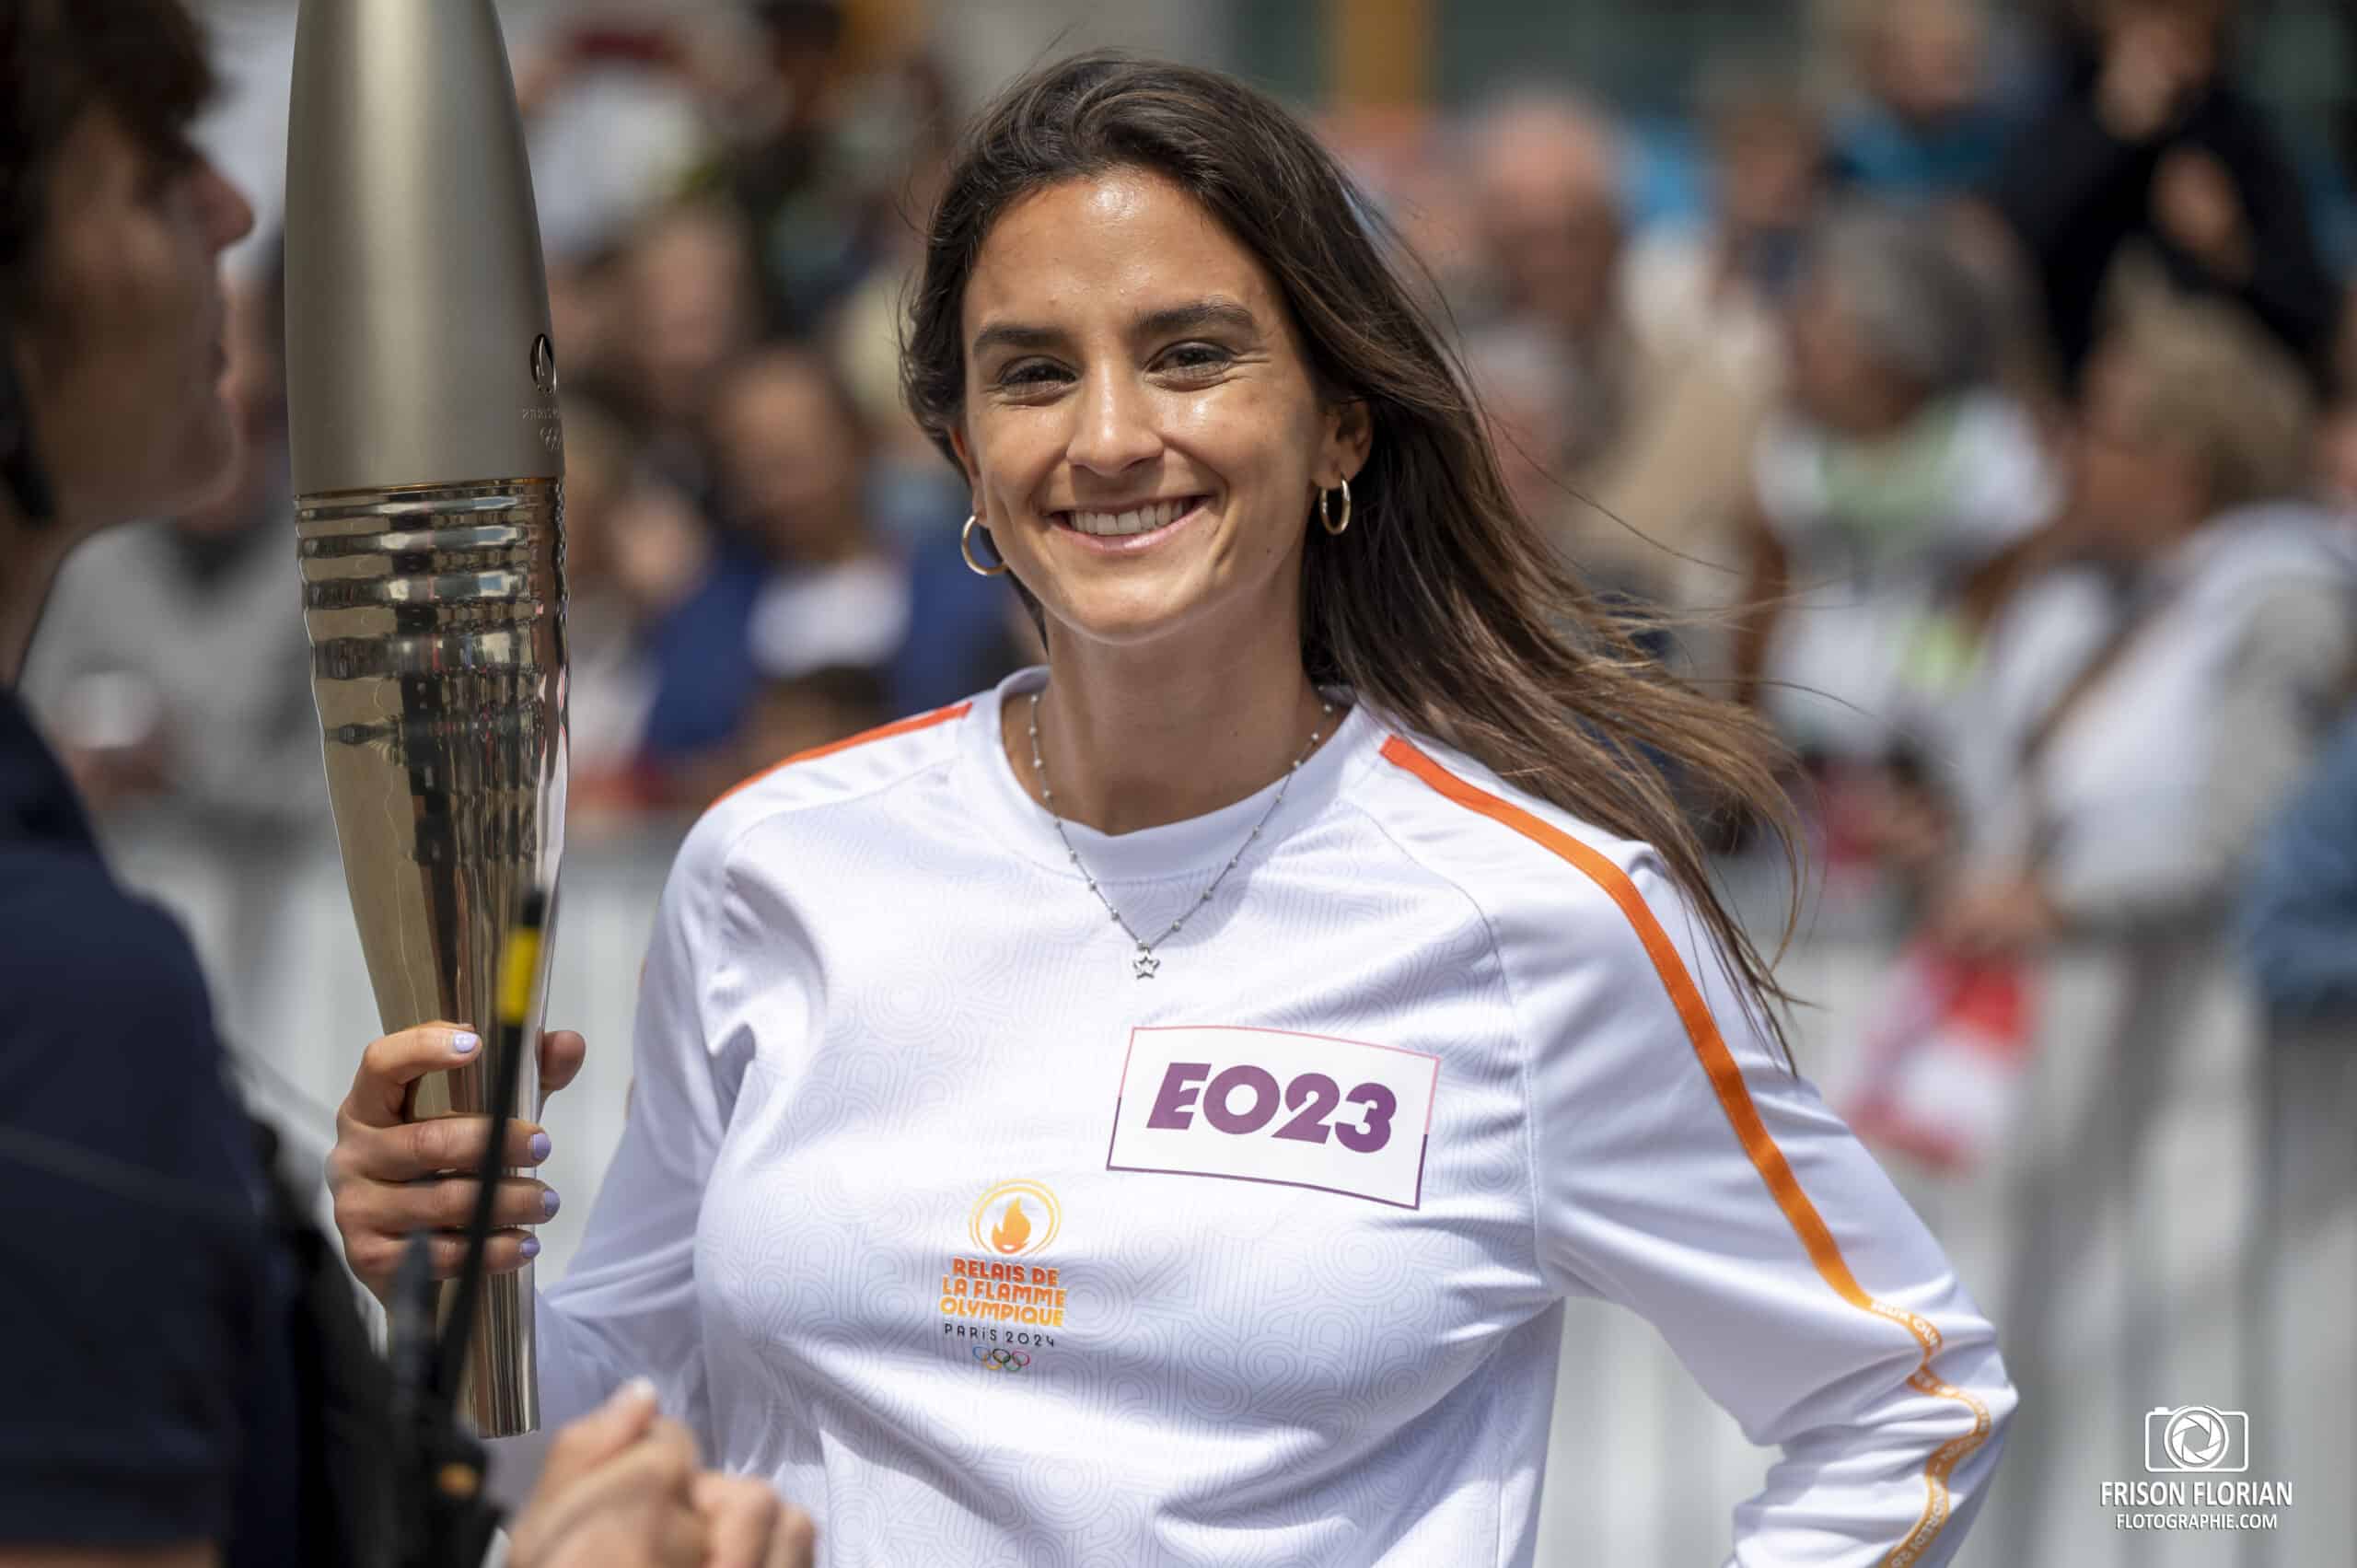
[1010, 334]
[1193, 316]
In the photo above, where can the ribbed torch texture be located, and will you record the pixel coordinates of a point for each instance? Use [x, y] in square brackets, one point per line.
[428, 462]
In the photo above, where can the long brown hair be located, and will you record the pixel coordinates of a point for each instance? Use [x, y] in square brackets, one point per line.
[1442, 604]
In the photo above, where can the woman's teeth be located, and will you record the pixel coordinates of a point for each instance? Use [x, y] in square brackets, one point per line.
[1161, 515]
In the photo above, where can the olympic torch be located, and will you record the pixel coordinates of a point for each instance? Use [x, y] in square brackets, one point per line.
[428, 462]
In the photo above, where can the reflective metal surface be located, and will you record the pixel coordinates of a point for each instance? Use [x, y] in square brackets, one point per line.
[427, 458]
[438, 637]
[417, 309]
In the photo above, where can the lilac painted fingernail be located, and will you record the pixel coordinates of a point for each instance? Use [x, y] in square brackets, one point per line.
[549, 1203]
[539, 1146]
[531, 1246]
[465, 1041]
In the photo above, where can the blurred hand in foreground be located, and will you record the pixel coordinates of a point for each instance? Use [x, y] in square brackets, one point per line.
[621, 1490]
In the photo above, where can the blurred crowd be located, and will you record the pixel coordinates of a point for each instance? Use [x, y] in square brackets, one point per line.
[1990, 423]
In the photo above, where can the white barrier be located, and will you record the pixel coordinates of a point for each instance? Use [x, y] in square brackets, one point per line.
[2175, 1222]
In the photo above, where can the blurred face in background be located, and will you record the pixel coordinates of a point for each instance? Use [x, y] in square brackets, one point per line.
[586, 315]
[597, 471]
[124, 351]
[1923, 58]
[1768, 163]
[1142, 430]
[2183, 38]
[791, 459]
[2137, 492]
[1768, 158]
[1526, 402]
[803, 37]
[688, 286]
[1835, 377]
[1547, 189]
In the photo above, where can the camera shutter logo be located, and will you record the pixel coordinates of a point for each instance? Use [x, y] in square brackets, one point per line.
[2197, 1437]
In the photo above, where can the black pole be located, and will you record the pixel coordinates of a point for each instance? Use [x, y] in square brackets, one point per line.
[448, 1520]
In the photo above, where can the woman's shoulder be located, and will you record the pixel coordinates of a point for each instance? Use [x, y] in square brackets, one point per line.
[1572, 908]
[856, 768]
[1528, 863]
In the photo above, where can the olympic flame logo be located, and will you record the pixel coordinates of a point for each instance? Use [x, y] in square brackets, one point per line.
[1015, 1219]
[1013, 1230]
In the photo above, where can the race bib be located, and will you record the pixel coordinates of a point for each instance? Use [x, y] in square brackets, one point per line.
[1262, 1105]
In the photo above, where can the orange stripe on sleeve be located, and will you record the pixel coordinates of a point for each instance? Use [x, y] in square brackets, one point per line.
[1734, 1099]
[882, 732]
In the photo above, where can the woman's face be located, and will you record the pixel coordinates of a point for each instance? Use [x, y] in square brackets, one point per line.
[125, 357]
[1142, 430]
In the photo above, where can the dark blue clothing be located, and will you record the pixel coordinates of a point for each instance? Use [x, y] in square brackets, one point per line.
[149, 1384]
[957, 641]
[1875, 154]
[703, 655]
[2298, 915]
[707, 675]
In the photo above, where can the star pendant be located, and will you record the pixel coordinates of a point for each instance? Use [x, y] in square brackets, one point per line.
[1144, 964]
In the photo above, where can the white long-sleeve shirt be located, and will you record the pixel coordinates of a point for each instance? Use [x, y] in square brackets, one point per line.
[989, 1252]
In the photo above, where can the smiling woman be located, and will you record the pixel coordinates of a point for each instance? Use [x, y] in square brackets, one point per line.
[1161, 270]
[1299, 987]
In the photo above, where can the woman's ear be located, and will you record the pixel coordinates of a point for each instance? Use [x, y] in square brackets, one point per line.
[965, 466]
[1350, 436]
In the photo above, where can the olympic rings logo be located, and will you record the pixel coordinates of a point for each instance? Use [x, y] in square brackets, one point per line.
[996, 1360]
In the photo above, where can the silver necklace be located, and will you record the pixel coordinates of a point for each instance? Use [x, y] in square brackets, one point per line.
[1142, 963]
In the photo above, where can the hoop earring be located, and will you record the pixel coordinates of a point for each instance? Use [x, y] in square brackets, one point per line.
[1326, 512]
[966, 549]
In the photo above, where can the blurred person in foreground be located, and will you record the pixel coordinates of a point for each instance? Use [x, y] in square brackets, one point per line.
[922, 1205]
[2153, 148]
[171, 671]
[2122, 760]
[188, 1382]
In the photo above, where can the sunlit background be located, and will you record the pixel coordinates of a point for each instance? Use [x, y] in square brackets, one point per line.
[2000, 346]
